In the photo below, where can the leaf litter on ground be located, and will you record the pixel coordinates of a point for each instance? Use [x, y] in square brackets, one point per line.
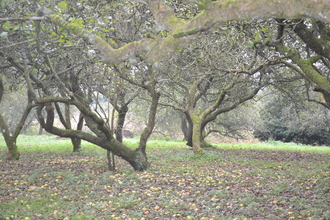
[221, 184]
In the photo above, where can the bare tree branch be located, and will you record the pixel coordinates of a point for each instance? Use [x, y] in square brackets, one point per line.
[13, 45]
[23, 19]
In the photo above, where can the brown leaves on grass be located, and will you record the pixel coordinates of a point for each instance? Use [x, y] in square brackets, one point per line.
[249, 184]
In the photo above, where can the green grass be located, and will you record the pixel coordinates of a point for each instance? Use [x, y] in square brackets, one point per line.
[271, 180]
[277, 145]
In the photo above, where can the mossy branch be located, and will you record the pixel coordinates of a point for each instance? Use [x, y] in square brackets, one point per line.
[227, 10]
[109, 54]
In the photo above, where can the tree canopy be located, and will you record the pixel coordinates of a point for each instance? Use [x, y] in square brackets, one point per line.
[211, 14]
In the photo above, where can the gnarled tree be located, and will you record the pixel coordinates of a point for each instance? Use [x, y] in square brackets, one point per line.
[152, 47]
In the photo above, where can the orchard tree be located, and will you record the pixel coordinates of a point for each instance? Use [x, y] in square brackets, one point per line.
[56, 73]
[103, 133]
[25, 54]
[11, 135]
[151, 47]
[14, 41]
[212, 75]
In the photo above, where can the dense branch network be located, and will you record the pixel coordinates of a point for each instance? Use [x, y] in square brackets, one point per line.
[212, 13]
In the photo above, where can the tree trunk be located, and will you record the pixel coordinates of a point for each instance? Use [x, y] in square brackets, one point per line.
[192, 136]
[119, 135]
[196, 137]
[120, 123]
[136, 158]
[111, 161]
[13, 153]
[195, 126]
[40, 130]
[10, 140]
[76, 142]
[151, 122]
[203, 143]
[139, 161]
[184, 127]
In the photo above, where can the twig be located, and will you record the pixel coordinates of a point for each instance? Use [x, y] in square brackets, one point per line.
[23, 19]
[12, 45]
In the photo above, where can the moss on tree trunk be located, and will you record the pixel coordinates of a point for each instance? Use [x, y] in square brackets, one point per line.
[197, 134]
[76, 142]
[13, 153]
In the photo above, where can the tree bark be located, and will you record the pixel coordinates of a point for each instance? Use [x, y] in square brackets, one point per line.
[184, 127]
[196, 136]
[155, 95]
[40, 130]
[13, 153]
[151, 122]
[122, 111]
[12, 138]
[111, 161]
[76, 142]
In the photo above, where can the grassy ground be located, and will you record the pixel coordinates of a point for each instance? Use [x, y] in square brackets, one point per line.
[242, 181]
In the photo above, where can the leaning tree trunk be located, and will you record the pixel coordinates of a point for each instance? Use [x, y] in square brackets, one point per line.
[11, 140]
[139, 160]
